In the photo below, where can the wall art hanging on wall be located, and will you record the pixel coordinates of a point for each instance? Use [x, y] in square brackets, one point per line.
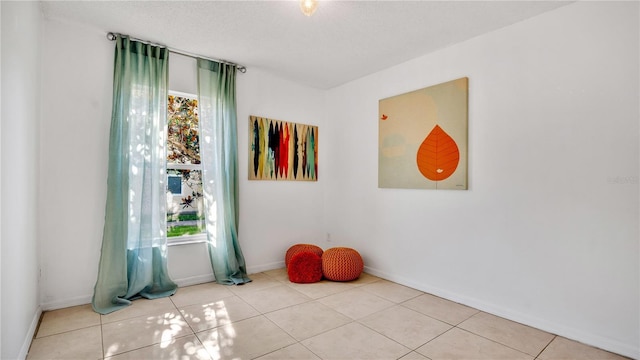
[423, 138]
[280, 150]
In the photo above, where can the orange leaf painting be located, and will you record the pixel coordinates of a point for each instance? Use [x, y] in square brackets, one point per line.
[422, 138]
[438, 155]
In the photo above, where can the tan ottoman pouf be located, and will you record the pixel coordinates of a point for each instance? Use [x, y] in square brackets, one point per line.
[341, 264]
[298, 248]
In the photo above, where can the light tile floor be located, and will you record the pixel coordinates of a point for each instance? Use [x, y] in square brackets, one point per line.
[271, 318]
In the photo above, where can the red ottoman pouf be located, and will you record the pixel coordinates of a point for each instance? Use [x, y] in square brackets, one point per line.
[305, 267]
[298, 248]
[341, 264]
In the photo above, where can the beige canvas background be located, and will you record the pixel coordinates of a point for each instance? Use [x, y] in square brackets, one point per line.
[410, 119]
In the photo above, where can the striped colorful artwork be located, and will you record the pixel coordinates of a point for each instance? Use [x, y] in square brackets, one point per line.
[280, 150]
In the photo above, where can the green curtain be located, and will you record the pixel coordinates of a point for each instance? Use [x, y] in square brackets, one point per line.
[133, 261]
[219, 154]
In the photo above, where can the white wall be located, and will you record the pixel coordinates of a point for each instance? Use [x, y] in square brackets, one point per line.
[21, 50]
[76, 114]
[547, 233]
[277, 214]
[77, 86]
[0, 189]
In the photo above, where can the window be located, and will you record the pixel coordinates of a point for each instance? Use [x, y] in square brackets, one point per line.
[185, 210]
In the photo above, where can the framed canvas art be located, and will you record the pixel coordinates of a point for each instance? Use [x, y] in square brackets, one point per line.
[423, 138]
[280, 150]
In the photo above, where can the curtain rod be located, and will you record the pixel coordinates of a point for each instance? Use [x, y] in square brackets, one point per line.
[112, 37]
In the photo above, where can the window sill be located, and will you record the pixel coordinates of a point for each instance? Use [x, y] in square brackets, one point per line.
[187, 240]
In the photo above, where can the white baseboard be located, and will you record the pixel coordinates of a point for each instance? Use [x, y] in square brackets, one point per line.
[195, 280]
[26, 344]
[86, 299]
[265, 267]
[200, 279]
[542, 324]
[188, 281]
[65, 303]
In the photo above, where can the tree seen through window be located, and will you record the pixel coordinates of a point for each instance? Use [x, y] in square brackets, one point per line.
[185, 211]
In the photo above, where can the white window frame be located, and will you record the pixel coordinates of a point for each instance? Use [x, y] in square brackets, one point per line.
[185, 239]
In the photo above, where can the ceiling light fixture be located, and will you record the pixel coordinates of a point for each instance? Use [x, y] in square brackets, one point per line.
[308, 7]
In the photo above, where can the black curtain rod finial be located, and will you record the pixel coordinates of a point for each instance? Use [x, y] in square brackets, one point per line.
[113, 36]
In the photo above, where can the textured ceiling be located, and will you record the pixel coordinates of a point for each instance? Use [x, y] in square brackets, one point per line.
[342, 41]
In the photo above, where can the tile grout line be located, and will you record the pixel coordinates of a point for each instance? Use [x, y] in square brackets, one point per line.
[534, 357]
[495, 341]
[381, 334]
[352, 321]
[545, 347]
[435, 318]
[194, 333]
[309, 300]
[102, 338]
[498, 342]
[149, 345]
[66, 331]
[416, 349]
[181, 315]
